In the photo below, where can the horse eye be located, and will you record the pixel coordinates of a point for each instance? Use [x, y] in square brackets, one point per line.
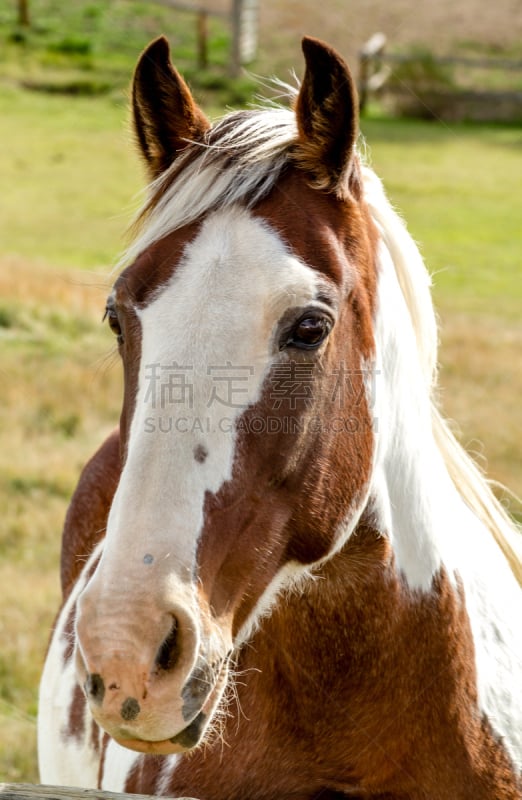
[309, 332]
[114, 324]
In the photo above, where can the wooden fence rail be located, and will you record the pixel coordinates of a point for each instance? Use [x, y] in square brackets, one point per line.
[376, 68]
[26, 791]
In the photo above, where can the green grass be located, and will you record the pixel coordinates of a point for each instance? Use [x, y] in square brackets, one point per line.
[459, 189]
[71, 178]
[87, 47]
[69, 167]
[91, 36]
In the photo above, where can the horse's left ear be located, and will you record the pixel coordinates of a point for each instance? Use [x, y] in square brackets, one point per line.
[164, 111]
[327, 118]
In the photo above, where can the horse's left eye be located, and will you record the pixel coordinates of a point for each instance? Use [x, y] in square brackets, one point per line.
[309, 332]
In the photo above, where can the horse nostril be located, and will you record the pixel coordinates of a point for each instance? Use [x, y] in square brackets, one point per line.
[168, 653]
[95, 688]
[130, 709]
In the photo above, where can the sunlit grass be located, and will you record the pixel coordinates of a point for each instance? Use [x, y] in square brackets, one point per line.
[460, 191]
[71, 177]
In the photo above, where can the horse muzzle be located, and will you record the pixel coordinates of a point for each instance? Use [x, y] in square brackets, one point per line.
[153, 681]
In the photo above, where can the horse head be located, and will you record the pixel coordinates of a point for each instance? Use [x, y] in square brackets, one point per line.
[245, 326]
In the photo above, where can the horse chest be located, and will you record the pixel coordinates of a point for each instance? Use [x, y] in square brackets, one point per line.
[345, 703]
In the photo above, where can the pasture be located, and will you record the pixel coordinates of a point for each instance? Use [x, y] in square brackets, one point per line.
[70, 181]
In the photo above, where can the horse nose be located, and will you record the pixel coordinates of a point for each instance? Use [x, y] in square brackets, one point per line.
[165, 661]
[103, 653]
[133, 669]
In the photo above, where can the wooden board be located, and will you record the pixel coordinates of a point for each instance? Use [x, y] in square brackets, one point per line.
[27, 791]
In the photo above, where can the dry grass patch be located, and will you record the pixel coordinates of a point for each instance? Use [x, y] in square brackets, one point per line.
[60, 398]
[481, 387]
[30, 595]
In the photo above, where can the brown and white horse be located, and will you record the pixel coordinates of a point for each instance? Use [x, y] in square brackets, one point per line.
[282, 577]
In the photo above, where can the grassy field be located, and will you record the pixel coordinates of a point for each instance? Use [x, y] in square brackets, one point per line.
[71, 180]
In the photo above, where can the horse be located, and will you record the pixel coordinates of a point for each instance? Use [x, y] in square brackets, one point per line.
[282, 576]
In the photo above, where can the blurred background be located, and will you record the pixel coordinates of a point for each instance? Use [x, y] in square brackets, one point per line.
[442, 86]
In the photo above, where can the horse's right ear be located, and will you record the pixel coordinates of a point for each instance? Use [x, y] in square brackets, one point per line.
[164, 111]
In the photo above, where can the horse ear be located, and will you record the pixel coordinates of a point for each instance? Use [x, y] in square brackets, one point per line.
[327, 112]
[164, 112]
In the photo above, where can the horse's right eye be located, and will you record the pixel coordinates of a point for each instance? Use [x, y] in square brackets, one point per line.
[111, 316]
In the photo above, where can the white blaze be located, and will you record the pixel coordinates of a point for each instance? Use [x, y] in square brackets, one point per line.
[207, 345]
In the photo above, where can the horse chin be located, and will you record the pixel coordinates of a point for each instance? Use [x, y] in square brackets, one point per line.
[185, 740]
[190, 736]
[164, 748]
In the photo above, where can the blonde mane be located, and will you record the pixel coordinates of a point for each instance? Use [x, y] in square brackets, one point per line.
[415, 283]
[241, 160]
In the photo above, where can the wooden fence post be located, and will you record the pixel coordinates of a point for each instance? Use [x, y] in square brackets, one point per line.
[23, 13]
[368, 60]
[244, 16]
[235, 59]
[202, 37]
[241, 15]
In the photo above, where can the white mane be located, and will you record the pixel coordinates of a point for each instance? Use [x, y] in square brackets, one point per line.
[415, 283]
[241, 161]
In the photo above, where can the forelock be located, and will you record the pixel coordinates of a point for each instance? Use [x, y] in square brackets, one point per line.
[240, 160]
